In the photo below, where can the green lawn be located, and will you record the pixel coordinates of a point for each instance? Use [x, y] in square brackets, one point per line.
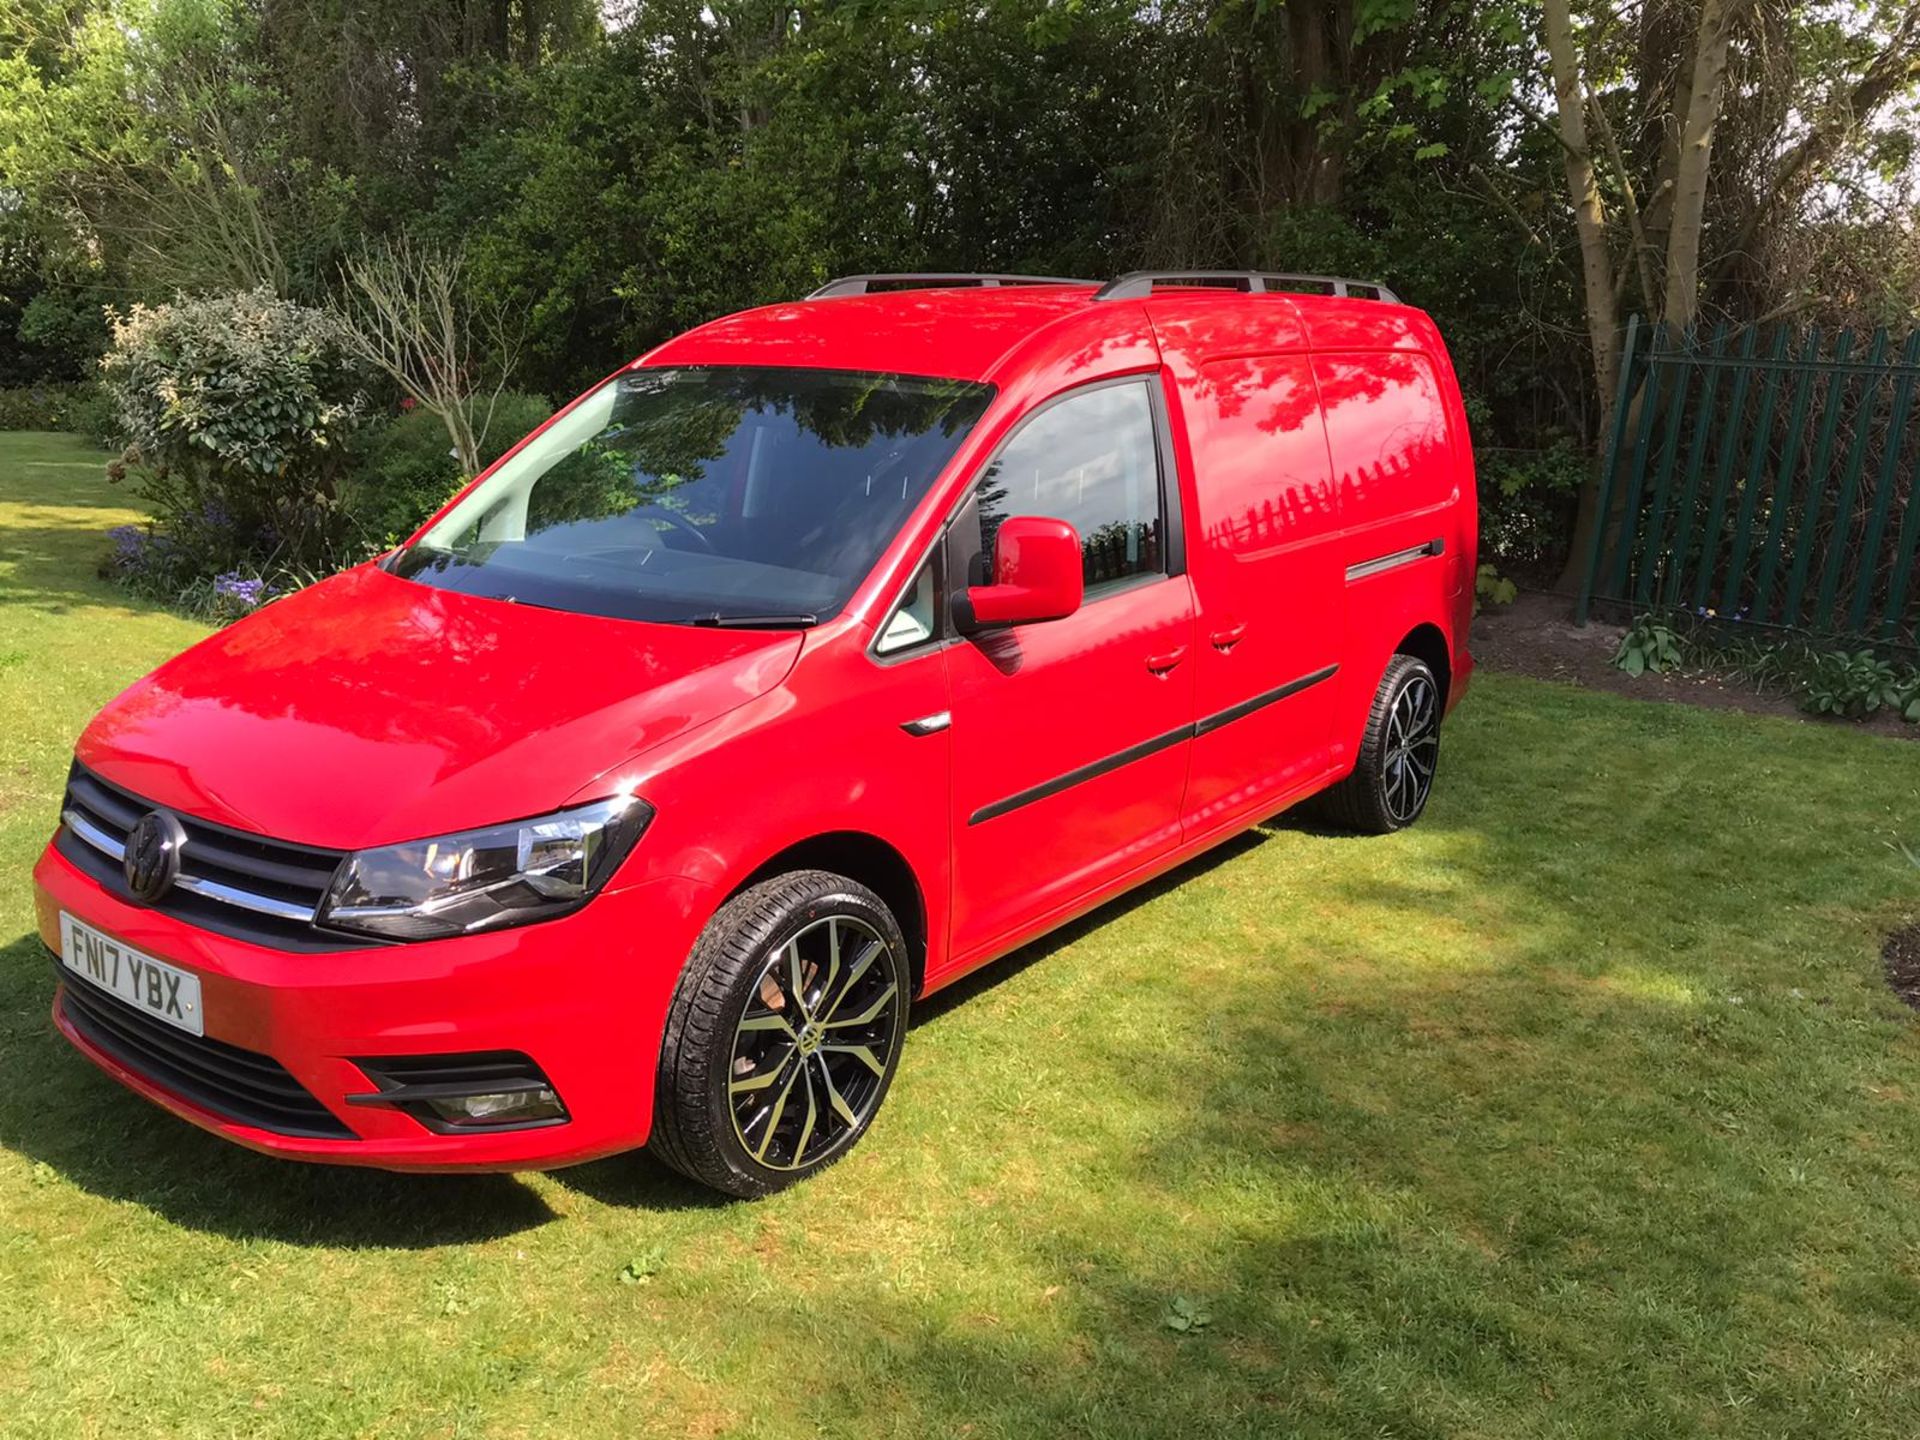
[1579, 1110]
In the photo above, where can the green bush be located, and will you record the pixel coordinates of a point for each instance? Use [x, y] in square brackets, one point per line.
[65, 329]
[1527, 500]
[95, 414]
[82, 408]
[1856, 684]
[1490, 587]
[238, 410]
[404, 470]
[37, 407]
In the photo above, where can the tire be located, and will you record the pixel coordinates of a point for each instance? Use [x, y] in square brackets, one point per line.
[1391, 780]
[747, 1101]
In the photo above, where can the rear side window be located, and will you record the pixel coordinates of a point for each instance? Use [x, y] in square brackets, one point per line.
[1387, 433]
[1092, 460]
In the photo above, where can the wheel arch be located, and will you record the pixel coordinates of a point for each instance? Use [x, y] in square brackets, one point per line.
[1427, 643]
[873, 862]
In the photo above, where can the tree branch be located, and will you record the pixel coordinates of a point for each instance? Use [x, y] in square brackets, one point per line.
[1895, 67]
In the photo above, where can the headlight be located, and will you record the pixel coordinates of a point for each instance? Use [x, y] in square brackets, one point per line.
[485, 879]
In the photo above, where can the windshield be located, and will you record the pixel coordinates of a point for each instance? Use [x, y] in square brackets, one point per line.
[741, 495]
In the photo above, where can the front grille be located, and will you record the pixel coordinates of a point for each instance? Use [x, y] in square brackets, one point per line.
[231, 882]
[251, 1089]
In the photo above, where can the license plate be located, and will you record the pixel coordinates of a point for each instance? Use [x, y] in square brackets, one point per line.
[164, 991]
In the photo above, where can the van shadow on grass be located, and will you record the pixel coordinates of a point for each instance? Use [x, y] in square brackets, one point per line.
[62, 1113]
[998, 972]
[636, 1181]
[85, 1130]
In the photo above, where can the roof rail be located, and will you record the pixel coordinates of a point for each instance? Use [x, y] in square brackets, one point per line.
[1138, 284]
[911, 280]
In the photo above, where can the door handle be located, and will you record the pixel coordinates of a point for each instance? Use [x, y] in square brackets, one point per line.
[928, 724]
[1161, 664]
[1228, 638]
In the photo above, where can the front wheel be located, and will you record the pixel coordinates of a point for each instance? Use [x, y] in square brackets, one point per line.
[784, 1034]
[1399, 751]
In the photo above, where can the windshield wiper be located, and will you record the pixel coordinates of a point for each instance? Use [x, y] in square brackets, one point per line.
[798, 620]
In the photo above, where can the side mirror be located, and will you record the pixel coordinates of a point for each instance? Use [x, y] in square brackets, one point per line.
[1037, 575]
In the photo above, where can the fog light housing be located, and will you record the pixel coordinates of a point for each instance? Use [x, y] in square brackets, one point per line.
[485, 1090]
[499, 1107]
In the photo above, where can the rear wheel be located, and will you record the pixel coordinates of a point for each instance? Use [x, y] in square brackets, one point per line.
[1399, 752]
[784, 1034]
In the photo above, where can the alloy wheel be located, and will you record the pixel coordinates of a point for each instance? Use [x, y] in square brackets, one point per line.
[1412, 749]
[814, 1043]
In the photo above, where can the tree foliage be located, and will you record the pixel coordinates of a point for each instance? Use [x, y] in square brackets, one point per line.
[614, 174]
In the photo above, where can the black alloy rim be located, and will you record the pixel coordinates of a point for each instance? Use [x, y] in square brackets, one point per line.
[1412, 748]
[814, 1043]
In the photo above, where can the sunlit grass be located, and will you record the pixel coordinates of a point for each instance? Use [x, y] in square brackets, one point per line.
[1578, 1110]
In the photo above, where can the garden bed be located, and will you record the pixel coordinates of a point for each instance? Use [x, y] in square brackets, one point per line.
[1535, 635]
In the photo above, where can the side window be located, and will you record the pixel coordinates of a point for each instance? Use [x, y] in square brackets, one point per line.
[912, 622]
[1089, 459]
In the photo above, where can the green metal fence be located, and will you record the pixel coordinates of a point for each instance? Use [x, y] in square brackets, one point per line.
[1763, 476]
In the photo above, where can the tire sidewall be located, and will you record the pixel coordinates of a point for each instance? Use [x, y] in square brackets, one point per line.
[840, 897]
[1404, 671]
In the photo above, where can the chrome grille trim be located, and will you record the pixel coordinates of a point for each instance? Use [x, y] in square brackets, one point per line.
[192, 884]
[92, 834]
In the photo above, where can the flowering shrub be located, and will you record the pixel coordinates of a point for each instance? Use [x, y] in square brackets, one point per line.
[236, 595]
[237, 409]
[246, 593]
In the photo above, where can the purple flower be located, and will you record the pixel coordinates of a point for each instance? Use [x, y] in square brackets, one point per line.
[248, 593]
[129, 541]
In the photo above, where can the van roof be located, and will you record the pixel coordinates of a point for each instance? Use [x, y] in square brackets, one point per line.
[965, 331]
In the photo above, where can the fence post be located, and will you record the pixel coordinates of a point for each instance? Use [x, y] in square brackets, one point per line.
[1661, 353]
[1757, 463]
[1817, 478]
[1687, 499]
[1611, 467]
[1883, 489]
[1903, 565]
[1783, 487]
[1850, 480]
[1723, 468]
[1656, 518]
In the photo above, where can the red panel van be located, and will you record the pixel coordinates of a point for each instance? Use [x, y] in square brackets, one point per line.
[815, 658]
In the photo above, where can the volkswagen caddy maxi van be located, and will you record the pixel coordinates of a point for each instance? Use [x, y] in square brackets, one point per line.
[819, 656]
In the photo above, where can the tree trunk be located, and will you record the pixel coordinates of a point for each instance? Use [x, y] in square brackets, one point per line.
[1682, 300]
[1312, 72]
[1596, 265]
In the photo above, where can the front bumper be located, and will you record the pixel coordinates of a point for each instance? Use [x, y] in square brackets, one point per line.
[585, 996]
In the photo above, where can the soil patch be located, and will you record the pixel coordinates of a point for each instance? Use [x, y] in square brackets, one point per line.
[1536, 636]
[1901, 955]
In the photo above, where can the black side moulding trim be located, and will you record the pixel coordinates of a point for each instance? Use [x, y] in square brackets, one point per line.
[1262, 700]
[1145, 748]
[1082, 774]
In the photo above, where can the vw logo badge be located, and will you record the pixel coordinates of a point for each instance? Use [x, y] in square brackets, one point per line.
[152, 861]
